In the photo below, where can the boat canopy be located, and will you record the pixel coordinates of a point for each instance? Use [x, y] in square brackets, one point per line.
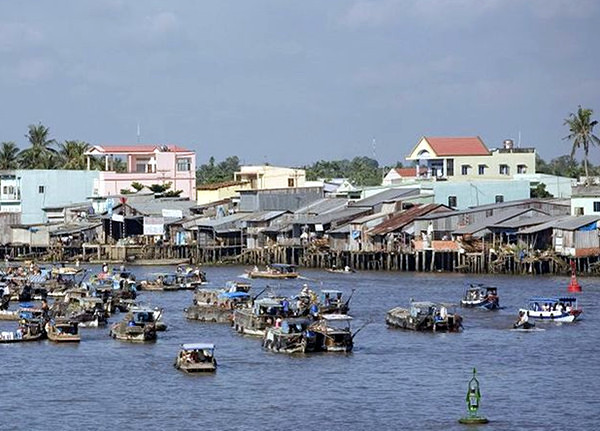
[234, 295]
[553, 300]
[268, 302]
[330, 292]
[336, 317]
[282, 265]
[198, 346]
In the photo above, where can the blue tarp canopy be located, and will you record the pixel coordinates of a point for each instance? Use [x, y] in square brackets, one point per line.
[234, 295]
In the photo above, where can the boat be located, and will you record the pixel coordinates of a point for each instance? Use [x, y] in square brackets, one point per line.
[137, 326]
[290, 336]
[28, 330]
[345, 270]
[63, 331]
[216, 305]
[478, 295]
[87, 311]
[301, 335]
[161, 281]
[331, 302]
[424, 316]
[332, 333]
[9, 315]
[154, 315]
[556, 309]
[196, 358]
[274, 271]
[255, 320]
[190, 278]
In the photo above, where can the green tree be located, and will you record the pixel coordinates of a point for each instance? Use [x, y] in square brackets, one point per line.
[162, 190]
[581, 133]
[540, 191]
[40, 154]
[72, 155]
[9, 153]
[215, 173]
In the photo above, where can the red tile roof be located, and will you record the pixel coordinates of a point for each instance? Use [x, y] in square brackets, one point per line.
[410, 172]
[130, 149]
[466, 146]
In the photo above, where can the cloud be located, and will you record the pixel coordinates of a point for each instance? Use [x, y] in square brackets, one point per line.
[17, 36]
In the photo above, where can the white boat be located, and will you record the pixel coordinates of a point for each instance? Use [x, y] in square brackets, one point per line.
[558, 309]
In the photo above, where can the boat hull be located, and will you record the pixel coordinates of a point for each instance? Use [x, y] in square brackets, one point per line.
[553, 316]
[209, 314]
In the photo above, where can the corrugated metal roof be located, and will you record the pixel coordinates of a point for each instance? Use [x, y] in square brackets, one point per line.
[522, 222]
[343, 214]
[490, 221]
[155, 206]
[322, 206]
[260, 216]
[400, 220]
[212, 222]
[576, 222]
[541, 227]
[386, 196]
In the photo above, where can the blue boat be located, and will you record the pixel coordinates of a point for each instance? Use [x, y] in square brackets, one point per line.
[478, 295]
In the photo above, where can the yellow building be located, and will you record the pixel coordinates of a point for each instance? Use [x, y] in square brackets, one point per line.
[267, 177]
[467, 158]
[208, 193]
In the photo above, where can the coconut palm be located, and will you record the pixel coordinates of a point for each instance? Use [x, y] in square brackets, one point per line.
[9, 153]
[72, 155]
[581, 128]
[40, 155]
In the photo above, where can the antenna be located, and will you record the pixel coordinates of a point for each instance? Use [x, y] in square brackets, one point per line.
[519, 140]
[138, 132]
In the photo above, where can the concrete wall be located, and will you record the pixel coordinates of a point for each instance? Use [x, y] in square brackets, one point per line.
[475, 193]
[50, 188]
[586, 204]
[271, 177]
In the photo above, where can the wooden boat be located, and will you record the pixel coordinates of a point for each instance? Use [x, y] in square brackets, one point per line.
[63, 331]
[137, 326]
[196, 358]
[332, 333]
[160, 281]
[216, 305]
[331, 302]
[424, 316]
[478, 295]
[9, 315]
[27, 331]
[255, 320]
[290, 336]
[344, 270]
[555, 309]
[274, 271]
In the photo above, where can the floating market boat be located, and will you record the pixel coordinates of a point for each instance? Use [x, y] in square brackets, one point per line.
[424, 316]
[63, 331]
[9, 315]
[481, 296]
[274, 271]
[344, 270]
[331, 302]
[28, 330]
[332, 333]
[290, 336]
[556, 309]
[137, 326]
[196, 358]
[255, 320]
[216, 305]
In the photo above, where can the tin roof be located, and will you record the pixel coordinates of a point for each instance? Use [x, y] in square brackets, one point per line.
[493, 220]
[386, 196]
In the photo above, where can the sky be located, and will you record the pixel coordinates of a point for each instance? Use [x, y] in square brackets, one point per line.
[292, 82]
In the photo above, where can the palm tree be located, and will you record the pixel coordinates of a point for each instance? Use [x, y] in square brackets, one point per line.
[9, 156]
[40, 155]
[581, 128]
[72, 155]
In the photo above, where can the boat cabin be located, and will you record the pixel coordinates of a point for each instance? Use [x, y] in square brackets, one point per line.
[281, 268]
[267, 307]
[196, 357]
[565, 303]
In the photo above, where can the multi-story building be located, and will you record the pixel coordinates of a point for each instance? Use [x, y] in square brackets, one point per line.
[467, 158]
[147, 165]
[267, 177]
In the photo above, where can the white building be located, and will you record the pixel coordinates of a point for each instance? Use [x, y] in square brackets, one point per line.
[585, 200]
[267, 177]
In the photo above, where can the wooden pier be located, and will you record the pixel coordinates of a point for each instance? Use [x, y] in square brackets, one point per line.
[405, 261]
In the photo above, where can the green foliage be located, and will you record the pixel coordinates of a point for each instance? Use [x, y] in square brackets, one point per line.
[9, 153]
[40, 154]
[361, 171]
[162, 190]
[563, 166]
[217, 173]
[581, 133]
[126, 192]
[137, 186]
[540, 192]
[71, 155]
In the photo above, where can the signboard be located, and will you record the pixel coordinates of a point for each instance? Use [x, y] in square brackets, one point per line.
[118, 217]
[154, 226]
[172, 213]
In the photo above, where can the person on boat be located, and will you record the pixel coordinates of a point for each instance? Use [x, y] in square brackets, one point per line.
[278, 322]
[105, 268]
[523, 319]
[255, 269]
[443, 313]
[347, 268]
[314, 310]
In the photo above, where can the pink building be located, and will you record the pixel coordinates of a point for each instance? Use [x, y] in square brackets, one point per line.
[146, 164]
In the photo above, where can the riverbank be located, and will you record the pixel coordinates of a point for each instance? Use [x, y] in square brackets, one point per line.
[309, 257]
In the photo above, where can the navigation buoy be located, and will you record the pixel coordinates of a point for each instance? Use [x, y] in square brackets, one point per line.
[473, 397]
[574, 285]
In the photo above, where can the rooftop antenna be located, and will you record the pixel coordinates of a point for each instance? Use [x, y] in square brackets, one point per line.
[519, 140]
[138, 132]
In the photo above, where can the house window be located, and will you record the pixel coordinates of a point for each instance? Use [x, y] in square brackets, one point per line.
[499, 199]
[489, 213]
[521, 169]
[449, 167]
[184, 164]
[504, 170]
[291, 182]
[597, 207]
[142, 165]
[481, 169]
[41, 189]
[452, 201]
[465, 169]
[578, 211]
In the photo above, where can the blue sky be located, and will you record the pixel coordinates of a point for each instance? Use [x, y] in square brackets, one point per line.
[293, 82]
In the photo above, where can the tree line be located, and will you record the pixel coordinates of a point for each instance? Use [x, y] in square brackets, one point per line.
[47, 153]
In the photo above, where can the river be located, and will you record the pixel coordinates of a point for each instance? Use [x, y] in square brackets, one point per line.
[394, 379]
